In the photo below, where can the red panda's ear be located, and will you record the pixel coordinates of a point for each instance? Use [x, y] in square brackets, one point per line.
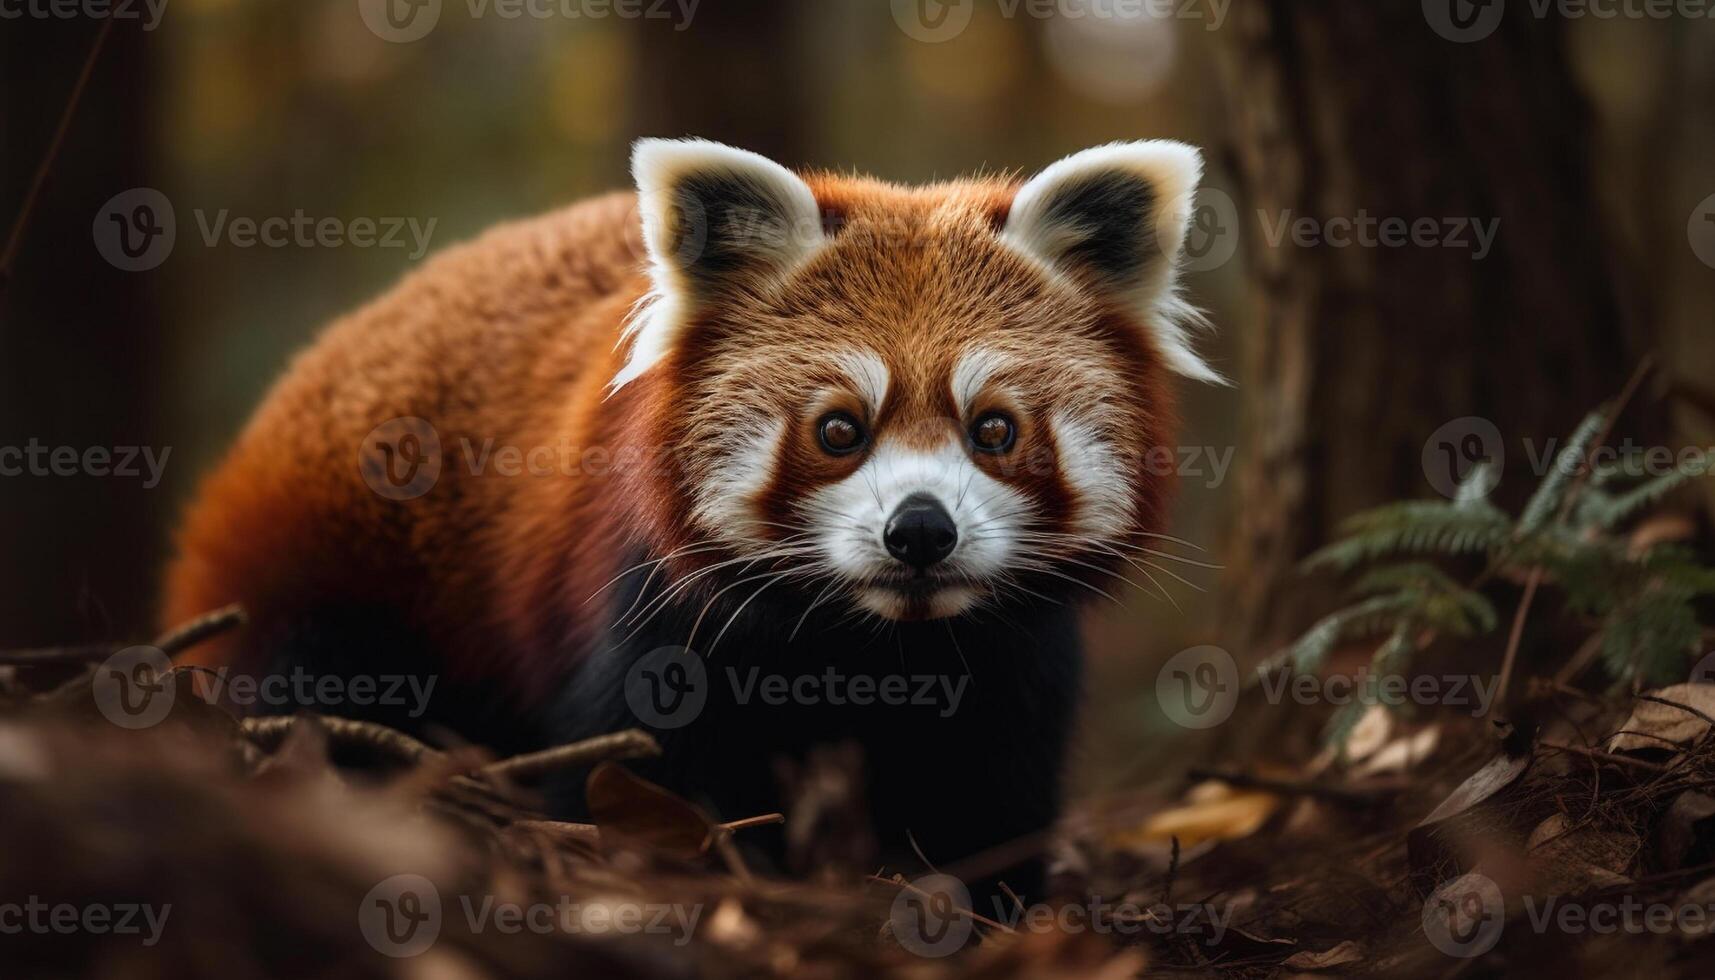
[716, 220]
[1114, 219]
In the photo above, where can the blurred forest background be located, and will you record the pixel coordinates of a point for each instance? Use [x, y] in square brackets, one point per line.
[1588, 139]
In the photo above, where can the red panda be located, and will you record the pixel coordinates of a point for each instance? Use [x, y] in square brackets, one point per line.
[814, 427]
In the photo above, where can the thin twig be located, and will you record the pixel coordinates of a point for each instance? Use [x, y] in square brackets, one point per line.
[270, 733]
[765, 820]
[202, 628]
[630, 744]
[560, 828]
[1515, 638]
[1172, 874]
[911, 839]
[1579, 479]
[727, 848]
[1675, 704]
[1600, 756]
[1017, 902]
[1586, 652]
[86, 654]
[729, 853]
[1538, 686]
[1626, 394]
[899, 880]
[173, 642]
[16, 238]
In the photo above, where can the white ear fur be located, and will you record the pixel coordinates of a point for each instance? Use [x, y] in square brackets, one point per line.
[1116, 217]
[710, 211]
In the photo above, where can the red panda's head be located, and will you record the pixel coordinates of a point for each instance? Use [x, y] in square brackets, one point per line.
[916, 400]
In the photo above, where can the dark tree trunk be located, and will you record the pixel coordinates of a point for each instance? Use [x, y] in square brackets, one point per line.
[736, 77]
[1358, 354]
[80, 340]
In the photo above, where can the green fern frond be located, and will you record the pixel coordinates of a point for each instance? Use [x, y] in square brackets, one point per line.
[1394, 655]
[1405, 575]
[1431, 596]
[1460, 613]
[1606, 474]
[1617, 509]
[1426, 527]
[1367, 617]
[1675, 569]
[1645, 603]
[1592, 571]
[1549, 497]
[1651, 638]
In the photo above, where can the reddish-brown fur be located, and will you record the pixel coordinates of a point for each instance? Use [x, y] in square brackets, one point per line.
[512, 338]
[509, 338]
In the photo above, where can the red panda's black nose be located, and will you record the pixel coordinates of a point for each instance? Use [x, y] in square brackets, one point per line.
[921, 532]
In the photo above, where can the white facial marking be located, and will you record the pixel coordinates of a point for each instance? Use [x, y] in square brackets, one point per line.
[976, 366]
[725, 504]
[849, 518]
[869, 376]
[1092, 470]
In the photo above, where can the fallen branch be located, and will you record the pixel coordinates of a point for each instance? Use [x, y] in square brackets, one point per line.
[270, 733]
[171, 643]
[204, 627]
[632, 743]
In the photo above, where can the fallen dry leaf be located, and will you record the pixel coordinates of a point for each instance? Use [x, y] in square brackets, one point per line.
[1654, 725]
[631, 809]
[1344, 954]
[1370, 733]
[1500, 772]
[1218, 812]
[1426, 843]
[1402, 753]
[1565, 858]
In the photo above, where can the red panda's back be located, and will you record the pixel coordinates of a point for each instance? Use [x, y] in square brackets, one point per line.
[488, 345]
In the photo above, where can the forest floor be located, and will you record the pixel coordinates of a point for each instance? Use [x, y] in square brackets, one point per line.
[1584, 845]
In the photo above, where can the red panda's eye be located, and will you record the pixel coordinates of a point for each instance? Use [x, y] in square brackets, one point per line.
[840, 433]
[993, 433]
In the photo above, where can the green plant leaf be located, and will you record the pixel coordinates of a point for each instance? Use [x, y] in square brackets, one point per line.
[1547, 500]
